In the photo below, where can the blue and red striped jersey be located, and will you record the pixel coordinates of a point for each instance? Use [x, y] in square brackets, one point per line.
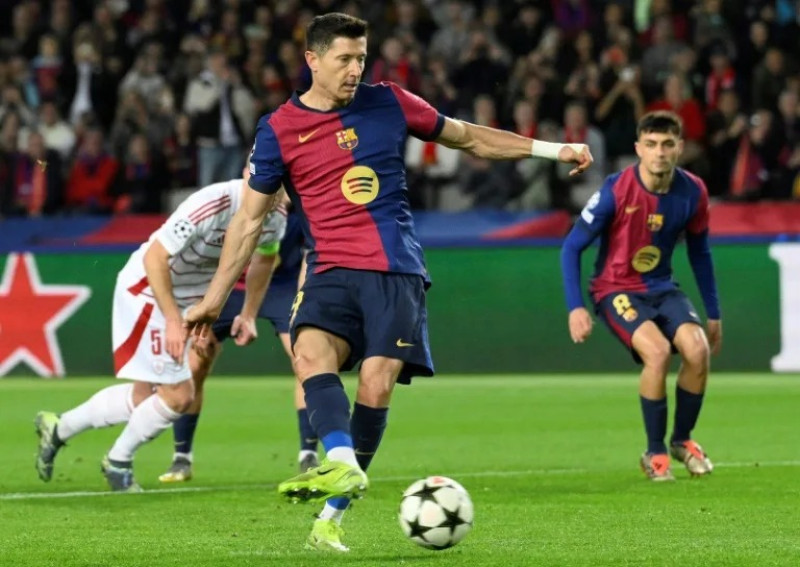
[638, 232]
[345, 174]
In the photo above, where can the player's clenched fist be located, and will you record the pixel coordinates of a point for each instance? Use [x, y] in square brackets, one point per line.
[578, 154]
[580, 324]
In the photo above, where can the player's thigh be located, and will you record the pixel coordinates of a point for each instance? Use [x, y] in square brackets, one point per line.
[674, 311]
[202, 358]
[139, 341]
[325, 325]
[395, 328]
[624, 313]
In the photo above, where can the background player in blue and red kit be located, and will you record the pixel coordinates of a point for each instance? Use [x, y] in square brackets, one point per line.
[640, 214]
[235, 322]
[338, 150]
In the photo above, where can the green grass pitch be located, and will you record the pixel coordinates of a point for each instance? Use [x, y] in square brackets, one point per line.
[550, 463]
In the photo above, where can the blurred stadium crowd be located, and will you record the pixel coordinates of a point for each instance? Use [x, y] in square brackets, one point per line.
[107, 106]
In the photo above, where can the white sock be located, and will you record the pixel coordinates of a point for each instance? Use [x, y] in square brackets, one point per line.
[331, 513]
[343, 454]
[150, 418]
[185, 456]
[305, 453]
[109, 406]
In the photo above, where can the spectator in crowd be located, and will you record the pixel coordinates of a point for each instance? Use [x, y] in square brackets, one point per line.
[33, 185]
[91, 179]
[222, 119]
[141, 180]
[577, 130]
[58, 134]
[725, 127]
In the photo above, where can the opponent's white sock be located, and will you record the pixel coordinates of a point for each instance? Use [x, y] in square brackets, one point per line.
[331, 513]
[305, 453]
[109, 406]
[344, 455]
[150, 418]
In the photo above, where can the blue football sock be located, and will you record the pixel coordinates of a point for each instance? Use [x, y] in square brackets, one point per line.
[654, 413]
[367, 427]
[328, 410]
[687, 409]
[308, 438]
[183, 432]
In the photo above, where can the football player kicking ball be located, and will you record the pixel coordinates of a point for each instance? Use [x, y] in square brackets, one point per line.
[339, 145]
[241, 309]
[639, 215]
[161, 279]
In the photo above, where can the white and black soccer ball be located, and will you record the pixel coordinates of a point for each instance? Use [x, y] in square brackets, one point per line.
[436, 512]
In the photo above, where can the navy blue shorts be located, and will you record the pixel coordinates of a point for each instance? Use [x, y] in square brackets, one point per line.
[378, 314]
[275, 308]
[624, 312]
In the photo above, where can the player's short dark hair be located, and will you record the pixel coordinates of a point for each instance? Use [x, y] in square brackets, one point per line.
[324, 29]
[660, 121]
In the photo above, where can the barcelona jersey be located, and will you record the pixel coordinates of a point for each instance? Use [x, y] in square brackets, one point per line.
[345, 174]
[638, 232]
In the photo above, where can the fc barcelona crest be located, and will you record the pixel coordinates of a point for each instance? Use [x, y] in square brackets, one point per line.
[655, 222]
[347, 139]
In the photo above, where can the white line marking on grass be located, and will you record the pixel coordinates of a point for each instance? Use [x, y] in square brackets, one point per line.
[252, 487]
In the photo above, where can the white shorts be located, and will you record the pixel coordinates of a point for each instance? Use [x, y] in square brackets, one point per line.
[138, 338]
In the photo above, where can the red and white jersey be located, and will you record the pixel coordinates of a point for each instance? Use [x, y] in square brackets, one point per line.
[193, 236]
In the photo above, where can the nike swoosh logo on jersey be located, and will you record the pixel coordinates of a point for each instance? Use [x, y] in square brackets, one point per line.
[629, 210]
[402, 344]
[302, 139]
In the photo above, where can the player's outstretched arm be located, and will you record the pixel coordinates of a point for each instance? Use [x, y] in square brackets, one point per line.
[491, 143]
[241, 238]
[156, 266]
[257, 280]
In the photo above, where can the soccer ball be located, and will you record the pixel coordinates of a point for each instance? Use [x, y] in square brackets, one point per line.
[436, 512]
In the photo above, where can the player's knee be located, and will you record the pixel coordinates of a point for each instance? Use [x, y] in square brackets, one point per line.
[178, 397]
[656, 354]
[695, 354]
[375, 390]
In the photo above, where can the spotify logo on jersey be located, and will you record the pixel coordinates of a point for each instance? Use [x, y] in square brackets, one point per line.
[360, 185]
[646, 259]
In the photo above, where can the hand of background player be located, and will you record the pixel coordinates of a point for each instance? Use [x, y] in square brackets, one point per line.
[714, 332]
[175, 338]
[583, 158]
[580, 324]
[244, 330]
[198, 319]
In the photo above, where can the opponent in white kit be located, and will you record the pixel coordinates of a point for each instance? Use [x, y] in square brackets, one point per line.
[161, 279]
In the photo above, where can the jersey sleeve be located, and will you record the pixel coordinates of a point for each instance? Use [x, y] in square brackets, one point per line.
[191, 220]
[698, 223]
[599, 210]
[596, 215]
[266, 163]
[423, 121]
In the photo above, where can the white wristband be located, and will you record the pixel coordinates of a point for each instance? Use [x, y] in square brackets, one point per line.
[549, 150]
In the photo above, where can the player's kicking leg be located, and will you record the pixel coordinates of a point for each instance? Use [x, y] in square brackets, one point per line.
[692, 344]
[318, 356]
[201, 361]
[655, 350]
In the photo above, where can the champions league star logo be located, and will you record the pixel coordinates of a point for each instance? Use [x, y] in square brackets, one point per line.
[30, 314]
